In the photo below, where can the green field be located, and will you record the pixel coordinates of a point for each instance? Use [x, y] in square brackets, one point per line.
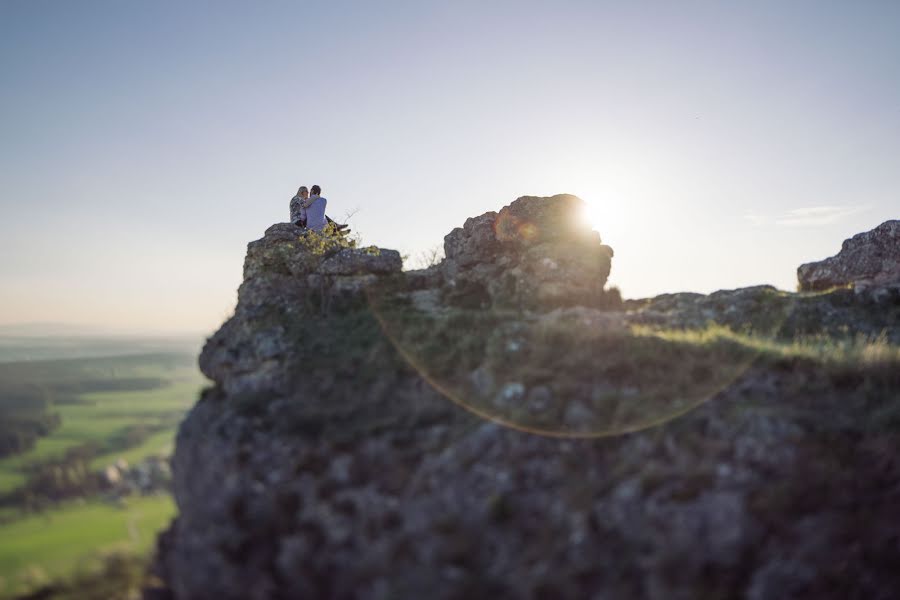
[58, 542]
[10, 479]
[126, 407]
[159, 444]
[102, 415]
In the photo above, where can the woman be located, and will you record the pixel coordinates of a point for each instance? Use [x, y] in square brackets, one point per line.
[299, 206]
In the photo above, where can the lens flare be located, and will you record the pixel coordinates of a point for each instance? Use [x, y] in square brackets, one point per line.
[512, 328]
[572, 372]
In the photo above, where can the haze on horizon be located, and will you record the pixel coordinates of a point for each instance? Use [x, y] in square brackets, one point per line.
[144, 144]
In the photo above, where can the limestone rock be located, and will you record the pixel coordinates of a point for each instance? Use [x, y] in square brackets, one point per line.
[868, 258]
[333, 457]
[356, 261]
[536, 253]
[765, 310]
[472, 243]
[289, 275]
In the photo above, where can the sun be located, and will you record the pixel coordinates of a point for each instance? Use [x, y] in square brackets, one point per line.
[603, 213]
[593, 214]
[612, 198]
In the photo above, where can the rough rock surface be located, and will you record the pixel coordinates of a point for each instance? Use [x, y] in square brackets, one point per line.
[534, 254]
[869, 312]
[325, 463]
[285, 278]
[871, 258]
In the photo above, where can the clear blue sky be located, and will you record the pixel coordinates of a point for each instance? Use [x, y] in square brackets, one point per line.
[143, 144]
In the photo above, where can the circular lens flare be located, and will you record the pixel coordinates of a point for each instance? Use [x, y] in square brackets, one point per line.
[574, 372]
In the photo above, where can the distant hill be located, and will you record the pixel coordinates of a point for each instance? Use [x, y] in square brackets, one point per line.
[27, 347]
[50, 329]
[32, 391]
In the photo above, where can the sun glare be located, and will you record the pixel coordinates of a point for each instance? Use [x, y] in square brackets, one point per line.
[608, 197]
[604, 213]
[593, 214]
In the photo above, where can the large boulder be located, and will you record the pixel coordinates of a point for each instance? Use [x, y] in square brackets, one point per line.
[536, 253]
[871, 258]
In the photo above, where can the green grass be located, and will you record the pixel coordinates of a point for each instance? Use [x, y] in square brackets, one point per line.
[859, 350]
[8, 513]
[102, 415]
[10, 479]
[58, 542]
[600, 378]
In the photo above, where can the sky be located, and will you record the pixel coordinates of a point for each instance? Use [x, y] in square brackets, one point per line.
[144, 144]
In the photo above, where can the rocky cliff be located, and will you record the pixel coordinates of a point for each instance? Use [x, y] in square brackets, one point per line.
[868, 259]
[499, 425]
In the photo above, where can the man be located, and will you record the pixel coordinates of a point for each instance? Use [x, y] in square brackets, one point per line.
[298, 208]
[315, 209]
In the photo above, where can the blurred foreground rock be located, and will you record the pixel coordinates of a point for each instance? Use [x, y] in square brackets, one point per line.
[352, 444]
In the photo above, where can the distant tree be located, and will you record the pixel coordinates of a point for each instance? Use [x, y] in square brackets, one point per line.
[25, 414]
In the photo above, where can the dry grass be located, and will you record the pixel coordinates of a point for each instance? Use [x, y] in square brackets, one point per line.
[850, 350]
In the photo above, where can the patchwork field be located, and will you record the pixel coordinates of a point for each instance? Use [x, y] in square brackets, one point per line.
[99, 417]
[109, 408]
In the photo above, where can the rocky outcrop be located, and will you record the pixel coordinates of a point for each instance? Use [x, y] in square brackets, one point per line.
[868, 259]
[287, 277]
[534, 254]
[497, 426]
[866, 312]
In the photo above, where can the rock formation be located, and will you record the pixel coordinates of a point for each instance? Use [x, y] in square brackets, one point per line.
[867, 259]
[534, 254]
[285, 280]
[370, 433]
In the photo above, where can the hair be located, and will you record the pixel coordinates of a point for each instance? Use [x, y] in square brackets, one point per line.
[315, 190]
[302, 189]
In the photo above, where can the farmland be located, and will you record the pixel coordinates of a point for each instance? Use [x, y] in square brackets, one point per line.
[102, 410]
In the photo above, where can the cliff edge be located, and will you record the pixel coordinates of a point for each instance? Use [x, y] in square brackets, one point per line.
[500, 425]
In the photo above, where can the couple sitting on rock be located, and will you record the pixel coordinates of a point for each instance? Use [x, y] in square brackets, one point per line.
[308, 211]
